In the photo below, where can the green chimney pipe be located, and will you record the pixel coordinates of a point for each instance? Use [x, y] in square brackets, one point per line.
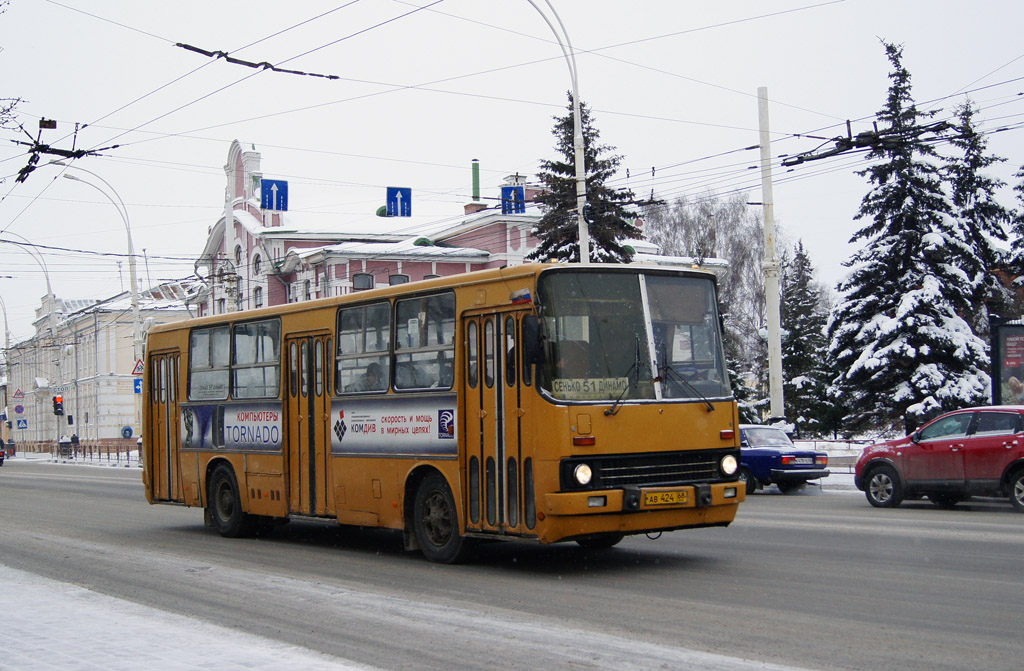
[476, 180]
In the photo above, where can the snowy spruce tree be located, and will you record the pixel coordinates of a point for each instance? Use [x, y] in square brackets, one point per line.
[804, 371]
[982, 218]
[897, 341]
[1015, 259]
[558, 229]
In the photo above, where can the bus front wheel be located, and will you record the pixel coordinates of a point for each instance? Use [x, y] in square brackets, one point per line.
[436, 522]
[225, 504]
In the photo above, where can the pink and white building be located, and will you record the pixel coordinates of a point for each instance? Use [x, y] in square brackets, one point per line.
[256, 258]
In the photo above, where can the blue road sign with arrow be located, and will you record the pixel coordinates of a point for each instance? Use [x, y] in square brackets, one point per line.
[513, 200]
[274, 194]
[399, 202]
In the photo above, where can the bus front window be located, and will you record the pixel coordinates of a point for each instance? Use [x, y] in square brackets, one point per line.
[596, 338]
[603, 328]
[687, 342]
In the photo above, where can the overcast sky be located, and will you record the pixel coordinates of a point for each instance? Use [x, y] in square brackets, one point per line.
[424, 88]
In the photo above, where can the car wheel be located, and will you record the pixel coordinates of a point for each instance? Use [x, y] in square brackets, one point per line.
[600, 541]
[749, 480]
[947, 501]
[790, 487]
[883, 487]
[225, 504]
[436, 522]
[1017, 491]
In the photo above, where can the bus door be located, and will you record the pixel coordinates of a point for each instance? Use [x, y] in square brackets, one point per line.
[496, 434]
[164, 434]
[307, 418]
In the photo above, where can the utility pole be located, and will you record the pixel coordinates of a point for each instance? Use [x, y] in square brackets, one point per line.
[771, 265]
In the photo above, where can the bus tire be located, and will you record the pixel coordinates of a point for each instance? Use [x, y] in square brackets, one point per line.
[225, 504]
[436, 521]
[748, 480]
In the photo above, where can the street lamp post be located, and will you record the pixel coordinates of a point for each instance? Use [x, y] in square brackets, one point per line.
[577, 135]
[123, 211]
[7, 362]
[51, 298]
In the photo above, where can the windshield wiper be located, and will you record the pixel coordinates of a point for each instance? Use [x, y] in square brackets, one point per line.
[635, 369]
[676, 377]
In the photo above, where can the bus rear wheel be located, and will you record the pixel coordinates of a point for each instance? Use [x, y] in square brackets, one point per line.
[436, 522]
[225, 504]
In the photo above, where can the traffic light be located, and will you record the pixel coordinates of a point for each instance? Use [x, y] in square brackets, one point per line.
[58, 405]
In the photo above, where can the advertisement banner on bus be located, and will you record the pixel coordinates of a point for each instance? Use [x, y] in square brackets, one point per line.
[409, 426]
[249, 426]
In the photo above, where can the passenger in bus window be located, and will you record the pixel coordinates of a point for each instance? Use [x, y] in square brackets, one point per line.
[371, 380]
[409, 376]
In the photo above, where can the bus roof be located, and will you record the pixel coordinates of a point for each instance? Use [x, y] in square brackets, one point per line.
[490, 275]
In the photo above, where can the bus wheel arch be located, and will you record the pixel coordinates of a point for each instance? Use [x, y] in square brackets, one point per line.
[432, 522]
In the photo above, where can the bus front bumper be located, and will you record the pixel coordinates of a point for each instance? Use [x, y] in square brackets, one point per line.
[650, 510]
[644, 499]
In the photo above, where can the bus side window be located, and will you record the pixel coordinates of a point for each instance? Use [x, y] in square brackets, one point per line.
[510, 351]
[209, 364]
[472, 374]
[425, 342]
[364, 340]
[489, 352]
[256, 369]
[527, 365]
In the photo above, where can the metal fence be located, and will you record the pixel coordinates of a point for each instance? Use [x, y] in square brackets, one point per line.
[100, 453]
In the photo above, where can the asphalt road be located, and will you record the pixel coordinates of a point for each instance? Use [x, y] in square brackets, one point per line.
[818, 581]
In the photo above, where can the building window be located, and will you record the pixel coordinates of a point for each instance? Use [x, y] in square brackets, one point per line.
[397, 279]
[238, 255]
[221, 306]
[362, 281]
[257, 265]
[257, 297]
[306, 291]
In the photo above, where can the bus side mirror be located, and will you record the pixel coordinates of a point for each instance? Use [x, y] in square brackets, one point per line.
[532, 350]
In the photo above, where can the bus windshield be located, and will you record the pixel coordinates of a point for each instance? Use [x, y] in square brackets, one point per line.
[631, 336]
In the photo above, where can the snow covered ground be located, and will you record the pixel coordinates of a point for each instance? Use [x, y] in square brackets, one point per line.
[52, 625]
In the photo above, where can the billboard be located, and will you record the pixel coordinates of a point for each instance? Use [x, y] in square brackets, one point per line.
[1008, 364]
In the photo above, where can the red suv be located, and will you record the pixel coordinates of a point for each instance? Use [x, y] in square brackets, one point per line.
[964, 453]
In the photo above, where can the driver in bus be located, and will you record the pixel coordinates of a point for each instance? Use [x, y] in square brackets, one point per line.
[573, 359]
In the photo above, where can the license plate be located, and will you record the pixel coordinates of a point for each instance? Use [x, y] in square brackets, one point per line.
[804, 460]
[666, 498]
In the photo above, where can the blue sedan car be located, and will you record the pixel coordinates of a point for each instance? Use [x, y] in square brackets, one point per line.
[768, 456]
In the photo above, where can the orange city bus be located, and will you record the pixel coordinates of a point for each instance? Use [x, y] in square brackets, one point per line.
[535, 403]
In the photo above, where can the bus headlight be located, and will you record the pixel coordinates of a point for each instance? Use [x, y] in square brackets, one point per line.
[728, 464]
[583, 474]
